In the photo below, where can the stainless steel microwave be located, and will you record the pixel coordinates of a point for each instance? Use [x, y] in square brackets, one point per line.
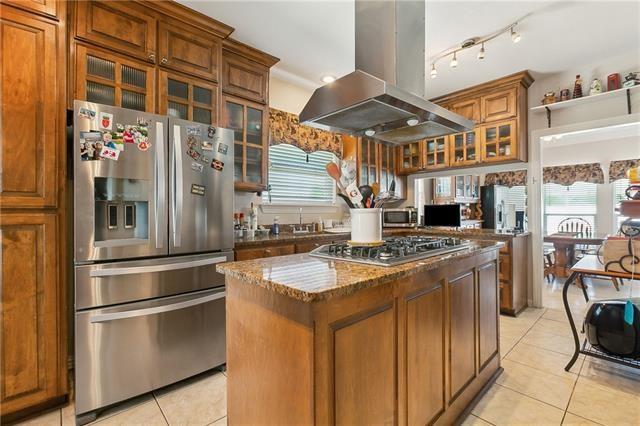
[400, 218]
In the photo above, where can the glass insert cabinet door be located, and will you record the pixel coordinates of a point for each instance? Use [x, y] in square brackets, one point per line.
[111, 79]
[464, 148]
[436, 153]
[499, 141]
[188, 98]
[411, 156]
[368, 156]
[248, 121]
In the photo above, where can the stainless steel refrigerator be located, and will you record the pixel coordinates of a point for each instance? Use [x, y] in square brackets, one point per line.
[153, 206]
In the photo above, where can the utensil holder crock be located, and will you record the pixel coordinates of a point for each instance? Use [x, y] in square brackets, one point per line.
[366, 226]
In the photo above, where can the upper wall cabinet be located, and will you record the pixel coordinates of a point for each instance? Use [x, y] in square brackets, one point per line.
[29, 89]
[468, 108]
[188, 49]
[499, 105]
[124, 26]
[42, 7]
[188, 98]
[245, 71]
[110, 79]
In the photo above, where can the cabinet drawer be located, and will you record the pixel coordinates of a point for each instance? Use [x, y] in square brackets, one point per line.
[244, 78]
[46, 7]
[498, 105]
[119, 25]
[258, 253]
[187, 49]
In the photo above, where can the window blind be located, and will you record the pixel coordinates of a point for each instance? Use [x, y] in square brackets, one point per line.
[619, 187]
[296, 177]
[576, 200]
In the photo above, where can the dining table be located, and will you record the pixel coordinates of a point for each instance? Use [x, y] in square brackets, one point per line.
[564, 244]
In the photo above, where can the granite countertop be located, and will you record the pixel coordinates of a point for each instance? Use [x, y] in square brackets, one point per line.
[312, 279]
[480, 234]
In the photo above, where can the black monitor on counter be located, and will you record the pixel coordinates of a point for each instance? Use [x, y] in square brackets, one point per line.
[442, 215]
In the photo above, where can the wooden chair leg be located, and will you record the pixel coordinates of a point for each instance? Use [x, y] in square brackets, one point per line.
[614, 280]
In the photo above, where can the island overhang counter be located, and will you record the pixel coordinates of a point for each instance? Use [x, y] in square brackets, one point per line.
[316, 341]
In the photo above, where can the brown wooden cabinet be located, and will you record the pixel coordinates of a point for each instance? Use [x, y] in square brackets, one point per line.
[377, 162]
[368, 156]
[184, 48]
[462, 308]
[464, 148]
[487, 315]
[111, 79]
[436, 153]
[249, 123]
[498, 105]
[188, 98]
[43, 7]
[468, 108]
[245, 78]
[30, 111]
[499, 141]
[267, 251]
[410, 158]
[513, 275]
[123, 26]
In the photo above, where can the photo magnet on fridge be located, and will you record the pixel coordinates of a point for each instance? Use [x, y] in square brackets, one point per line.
[143, 122]
[192, 141]
[211, 132]
[217, 165]
[86, 113]
[143, 145]
[106, 121]
[90, 146]
[110, 153]
[205, 159]
[197, 167]
[223, 148]
[193, 154]
[206, 145]
[193, 131]
[197, 189]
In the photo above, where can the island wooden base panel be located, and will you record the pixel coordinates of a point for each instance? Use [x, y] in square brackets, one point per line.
[415, 351]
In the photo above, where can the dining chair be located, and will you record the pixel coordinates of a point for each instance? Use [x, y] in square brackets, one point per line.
[549, 263]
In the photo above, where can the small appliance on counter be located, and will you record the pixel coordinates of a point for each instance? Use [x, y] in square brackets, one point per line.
[153, 210]
[613, 326]
[400, 218]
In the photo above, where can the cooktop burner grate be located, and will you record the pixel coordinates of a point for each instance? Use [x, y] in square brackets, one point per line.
[394, 251]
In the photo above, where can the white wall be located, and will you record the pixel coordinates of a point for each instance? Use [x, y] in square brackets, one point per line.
[288, 97]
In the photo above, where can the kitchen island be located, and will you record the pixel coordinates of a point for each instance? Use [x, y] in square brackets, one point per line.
[316, 341]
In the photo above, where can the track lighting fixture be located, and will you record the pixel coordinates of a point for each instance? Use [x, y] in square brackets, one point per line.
[481, 52]
[454, 61]
[434, 71]
[515, 37]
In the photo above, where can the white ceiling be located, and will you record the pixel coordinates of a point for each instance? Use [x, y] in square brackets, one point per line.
[315, 38]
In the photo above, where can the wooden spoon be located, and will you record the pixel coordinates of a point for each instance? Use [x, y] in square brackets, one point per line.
[375, 188]
[334, 171]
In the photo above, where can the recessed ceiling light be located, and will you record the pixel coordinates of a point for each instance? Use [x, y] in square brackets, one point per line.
[328, 79]
[412, 121]
[370, 132]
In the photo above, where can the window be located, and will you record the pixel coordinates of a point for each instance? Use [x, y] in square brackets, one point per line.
[517, 195]
[619, 187]
[561, 202]
[296, 177]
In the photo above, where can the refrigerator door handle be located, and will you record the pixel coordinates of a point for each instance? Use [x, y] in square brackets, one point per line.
[178, 178]
[156, 310]
[161, 189]
[155, 268]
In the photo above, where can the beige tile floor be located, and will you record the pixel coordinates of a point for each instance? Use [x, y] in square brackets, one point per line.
[534, 389]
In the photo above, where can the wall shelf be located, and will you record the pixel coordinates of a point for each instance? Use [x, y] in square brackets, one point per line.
[625, 91]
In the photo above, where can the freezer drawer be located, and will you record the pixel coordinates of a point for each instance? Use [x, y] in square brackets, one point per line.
[121, 282]
[134, 348]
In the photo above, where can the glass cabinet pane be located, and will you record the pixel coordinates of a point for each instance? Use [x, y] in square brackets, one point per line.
[237, 162]
[201, 95]
[254, 164]
[101, 93]
[133, 100]
[101, 68]
[178, 110]
[504, 131]
[202, 115]
[490, 134]
[133, 77]
[254, 126]
[178, 89]
[235, 120]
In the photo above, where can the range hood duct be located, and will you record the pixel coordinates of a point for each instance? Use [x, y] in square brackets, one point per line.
[386, 91]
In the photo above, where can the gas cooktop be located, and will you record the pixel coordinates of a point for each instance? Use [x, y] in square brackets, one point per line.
[394, 250]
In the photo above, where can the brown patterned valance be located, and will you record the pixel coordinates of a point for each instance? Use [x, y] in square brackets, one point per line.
[618, 168]
[568, 175]
[285, 127]
[510, 179]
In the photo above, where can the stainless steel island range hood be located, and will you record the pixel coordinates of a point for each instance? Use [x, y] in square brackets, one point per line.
[383, 97]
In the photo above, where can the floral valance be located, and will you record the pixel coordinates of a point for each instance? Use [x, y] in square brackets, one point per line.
[285, 127]
[618, 169]
[568, 175]
[510, 179]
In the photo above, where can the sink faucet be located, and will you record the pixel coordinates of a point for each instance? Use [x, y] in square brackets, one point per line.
[300, 216]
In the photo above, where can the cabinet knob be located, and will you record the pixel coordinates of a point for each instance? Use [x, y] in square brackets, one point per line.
[267, 250]
[152, 57]
[164, 60]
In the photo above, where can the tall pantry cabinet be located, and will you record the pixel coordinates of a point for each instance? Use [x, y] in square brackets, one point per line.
[33, 331]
